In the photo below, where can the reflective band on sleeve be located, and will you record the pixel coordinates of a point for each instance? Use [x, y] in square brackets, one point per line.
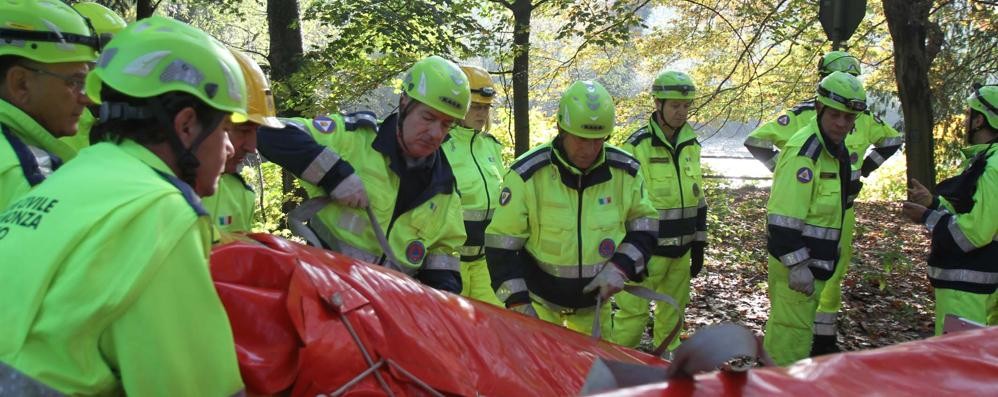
[892, 141]
[504, 242]
[786, 221]
[678, 213]
[510, 287]
[676, 241]
[823, 264]
[442, 262]
[961, 239]
[823, 233]
[963, 275]
[876, 157]
[469, 250]
[933, 219]
[631, 251]
[700, 236]
[320, 166]
[795, 257]
[643, 225]
[759, 143]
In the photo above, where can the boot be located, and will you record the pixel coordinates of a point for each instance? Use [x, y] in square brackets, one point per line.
[824, 344]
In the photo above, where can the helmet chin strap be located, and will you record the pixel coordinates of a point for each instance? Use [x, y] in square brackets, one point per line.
[399, 133]
[187, 160]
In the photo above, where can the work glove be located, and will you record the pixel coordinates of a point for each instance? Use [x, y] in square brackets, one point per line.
[610, 280]
[801, 279]
[525, 309]
[350, 192]
[696, 259]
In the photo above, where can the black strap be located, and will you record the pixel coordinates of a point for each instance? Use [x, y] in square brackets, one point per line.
[52, 37]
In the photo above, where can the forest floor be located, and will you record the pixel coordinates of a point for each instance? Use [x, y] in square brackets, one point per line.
[886, 297]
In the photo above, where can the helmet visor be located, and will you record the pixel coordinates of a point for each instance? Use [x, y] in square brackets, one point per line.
[855, 105]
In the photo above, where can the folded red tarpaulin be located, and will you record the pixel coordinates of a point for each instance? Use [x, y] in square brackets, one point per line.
[315, 321]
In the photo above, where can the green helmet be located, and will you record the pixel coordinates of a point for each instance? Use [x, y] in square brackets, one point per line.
[839, 61]
[439, 84]
[586, 110]
[103, 19]
[46, 31]
[673, 85]
[158, 55]
[985, 100]
[842, 91]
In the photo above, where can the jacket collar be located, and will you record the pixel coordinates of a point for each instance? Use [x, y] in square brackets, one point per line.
[26, 128]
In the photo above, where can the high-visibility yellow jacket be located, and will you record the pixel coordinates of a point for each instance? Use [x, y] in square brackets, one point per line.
[811, 190]
[231, 207]
[964, 225]
[28, 153]
[675, 185]
[417, 207]
[476, 160]
[105, 283]
[556, 226]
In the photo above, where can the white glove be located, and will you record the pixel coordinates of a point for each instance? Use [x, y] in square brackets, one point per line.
[801, 279]
[350, 192]
[610, 280]
[525, 309]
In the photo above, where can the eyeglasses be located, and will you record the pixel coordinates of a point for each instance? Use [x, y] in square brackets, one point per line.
[851, 104]
[76, 82]
[487, 92]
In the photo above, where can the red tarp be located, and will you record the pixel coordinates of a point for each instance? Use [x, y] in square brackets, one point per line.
[959, 364]
[284, 300]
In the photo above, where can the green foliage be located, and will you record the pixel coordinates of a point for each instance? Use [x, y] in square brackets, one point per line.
[268, 217]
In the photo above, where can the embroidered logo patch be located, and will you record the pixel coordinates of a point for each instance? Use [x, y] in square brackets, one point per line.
[225, 220]
[696, 190]
[607, 248]
[783, 120]
[504, 196]
[324, 124]
[605, 200]
[415, 251]
[853, 157]
[804, 175]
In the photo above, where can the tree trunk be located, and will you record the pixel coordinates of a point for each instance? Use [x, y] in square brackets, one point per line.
[144, 9]
[908, 21]
[521, 75]
[286, 51]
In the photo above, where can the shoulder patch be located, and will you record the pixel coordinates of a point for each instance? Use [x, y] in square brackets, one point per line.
[811, 148]
[357, 120]
[783, 120]
[526, 166]
[802, 107]
[187, 191]
[805, 175]
[618, 158]
[324, 124]
[638, 136]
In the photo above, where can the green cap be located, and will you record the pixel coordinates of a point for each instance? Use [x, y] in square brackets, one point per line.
[158, 55]
[586, 110]
[839, 61]
[46, 31]
[985, 100]
[439, 84]
[673, 85]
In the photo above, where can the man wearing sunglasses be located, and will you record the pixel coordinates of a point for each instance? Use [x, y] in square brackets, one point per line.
[812, 188]
[963, 220]
[669, 153]
[765, 143]
[46, 48]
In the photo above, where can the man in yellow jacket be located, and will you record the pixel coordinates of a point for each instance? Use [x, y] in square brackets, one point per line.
[669, 153]
[105, 283]
[231, 207]
[475, 157]
[395, 167]
[812, 188]
[45, 56]
[573, 221]
[765, 144]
